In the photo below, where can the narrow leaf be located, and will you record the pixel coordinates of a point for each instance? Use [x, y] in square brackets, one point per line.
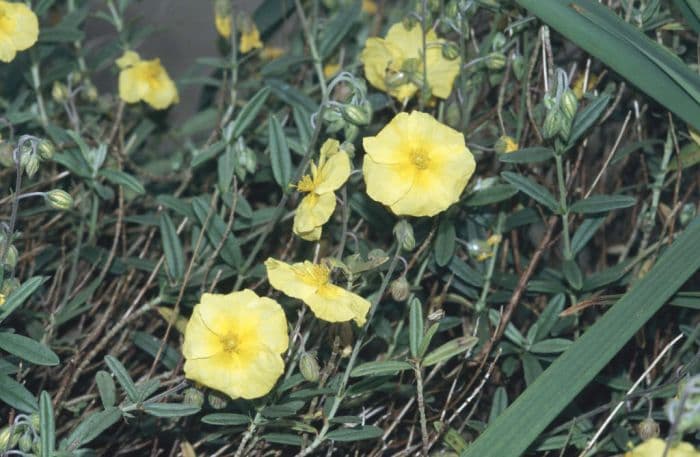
[248, 113]
[20, 295]
[174, 256]
[106, 388]
[449, 350]
[602, 203]
[123, 179]
[170, 409]
[16, 395]
[527, 155]
[380, 368]
[532, 189]
[123, 377]
[280, 160]
[47, 426]
[27, 349]
[415, 326]
[366, 432]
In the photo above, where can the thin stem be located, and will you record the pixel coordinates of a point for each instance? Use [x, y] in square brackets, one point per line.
[561, 182]
[421, 409]
[36, 82]
[481, 303]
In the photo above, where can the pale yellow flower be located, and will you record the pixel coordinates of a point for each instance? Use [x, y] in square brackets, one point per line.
[506, 144]
[271, 52]
[233, 343]
[19, 29]
[655, 448]
[395, 64]
[145, 80]
[250, 37]
[416, 165]
[311, 283]
[223, 17]
[369, 6]
[318, 205]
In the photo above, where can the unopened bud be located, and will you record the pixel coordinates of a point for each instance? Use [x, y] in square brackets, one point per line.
[648, 429]
[348, 148]
[308, 366]
[551, 126]
[46, 149]
[217, 401]
[569, 104]
[4, 438]
[453, 115]
[495, 61]
[59, 199]
[59, 92]
[498, 42]
[11, 257]
[355, 114]
[395, 79]
[30, 162]
[332, 115]
[35, 420]
[193, 397]
[25, 442]
[90, 91]
[450, 51]
[351, 131]
[404, 235]
[400, 289]
[506, 145]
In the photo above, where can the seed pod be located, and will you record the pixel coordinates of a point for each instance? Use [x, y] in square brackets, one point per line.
[46, 149]
[450, 51]
[308, 366]
[648, 429]
[59, 199]
[400, 289]
[194, 397]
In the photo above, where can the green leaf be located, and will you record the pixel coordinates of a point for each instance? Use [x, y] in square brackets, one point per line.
[170, 409]
[425, 344]
[287, 409]
[690, 9]
[283, 438]
[280, 159]
[291, 95]
[123, 179]
[366, 432]
[585, 232]
[226, 419]
[18, 296]
[338, 28]
[499, 403]
[550, 316]
[572, 273]
[625, 49]
[527, 155]
[106, 388]
[545, 399]
[16, 395]
[303, 123]
[494, 194]
[587, 117]
[91, 428]
[445, 242]
[449, 350]
[529, 187]
[47, 426]
[689, 156]
[602, 203]
[248, 113]
[216, 230]
[415, 326]
[380, 368]
[174, 256]
[28, 349]
[123, 378]
[551, 346]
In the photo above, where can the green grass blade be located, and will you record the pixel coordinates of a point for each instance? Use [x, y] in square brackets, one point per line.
[625, 49]
[572, 371]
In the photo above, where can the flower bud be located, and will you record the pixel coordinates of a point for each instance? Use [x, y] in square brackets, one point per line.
[355, 114]
[569, 104]
[450, 51]
[90, 91]
[6, 159]
[4, 438]
[498, 42]
[519, 67]
[351, 131]
[249, 160]
[506, 145]
[25, 442]
[217, 400]
[648, 429]
[11, 257]
[59, 199]
[551, 126]
[395, 79]
[46, 149]
[8, 286]
[193, 397]
[308, 366]
[400, 289]
[332, 115]
[30, 162]
[404, 235]
[436, 315]
[453, 115]
[59, 92]
[451, 10]
[35, 420]
[348, 148]
[336, 126]
[495, 61]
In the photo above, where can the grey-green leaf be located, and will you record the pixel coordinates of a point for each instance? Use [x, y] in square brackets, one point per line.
[91, 428]
[366, 432]
[27, 349]
[527, 155]
[415, 326]
[16, 395]
[280, 160]
[172, 247]
[47, 426]
[602, 203]
[122, 377]
[380, 368]
[106, 388]
[248, 113]
[170, 409]
[20, 295]
[532, 189]
[449, 350]
[445, 242]
[226, 419]
[123, 179]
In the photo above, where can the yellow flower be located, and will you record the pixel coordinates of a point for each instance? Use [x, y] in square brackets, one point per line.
[311, 284]
[250, 37]
[145, 80]
[233, 343]
[416, 165]
[655, 448]
[395, 64]
[19, 29]
[271, 52]
[577, 87]
[369, 6]
[223, 17]
[330, 69]
[317, 207]
[506, 144]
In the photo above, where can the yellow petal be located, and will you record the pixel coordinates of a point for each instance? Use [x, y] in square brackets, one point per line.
[313, 211]
[333, 173]
[7, 49]
[19, 29]
[313, 235]
[271, 323]
[388, 146]
[387, 183]
[223, 25]
[131, 86]
[335, 304]
[441, 71]
[654, 447]
[377, 57]
[330, 70]
[201, 342]
[250, 39]
[283, 278]
[409, 41]
[220, 312]
[128, 59]
[271, 52]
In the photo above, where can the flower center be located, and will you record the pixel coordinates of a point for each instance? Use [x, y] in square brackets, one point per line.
[314, 274]
[306, 184]
[230, 343]
[420, 159]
